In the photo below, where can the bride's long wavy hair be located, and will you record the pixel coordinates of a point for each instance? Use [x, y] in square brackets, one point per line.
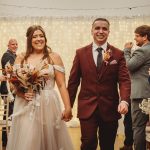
[29, 48]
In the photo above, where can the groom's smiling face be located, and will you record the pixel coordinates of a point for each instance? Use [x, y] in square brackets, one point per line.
[100, 32]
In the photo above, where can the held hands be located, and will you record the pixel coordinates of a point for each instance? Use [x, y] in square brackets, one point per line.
[67, 115]
[122, 108]
[128, 45]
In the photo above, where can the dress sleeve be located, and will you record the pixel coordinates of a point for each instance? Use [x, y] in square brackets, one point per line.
[59, 68]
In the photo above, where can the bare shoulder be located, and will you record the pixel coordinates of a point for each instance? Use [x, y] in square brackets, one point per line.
[56, 59]
[20, 57]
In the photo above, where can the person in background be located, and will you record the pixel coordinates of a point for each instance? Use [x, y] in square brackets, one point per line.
[38, 120]
[8, 56]
[138, 64]
[101, 70]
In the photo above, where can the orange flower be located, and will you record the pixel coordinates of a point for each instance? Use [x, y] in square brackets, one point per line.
[107, 56]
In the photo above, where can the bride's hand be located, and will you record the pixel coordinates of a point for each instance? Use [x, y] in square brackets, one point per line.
[29, 96]
[67, 115]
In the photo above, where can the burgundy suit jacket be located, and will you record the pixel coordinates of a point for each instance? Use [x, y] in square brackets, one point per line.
[101, 88]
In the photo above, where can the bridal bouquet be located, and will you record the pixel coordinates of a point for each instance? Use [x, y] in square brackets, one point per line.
[25, 78]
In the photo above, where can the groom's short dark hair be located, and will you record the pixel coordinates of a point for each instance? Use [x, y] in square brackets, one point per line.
[101, 19]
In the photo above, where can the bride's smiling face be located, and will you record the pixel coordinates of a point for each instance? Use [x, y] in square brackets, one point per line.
[38, 40]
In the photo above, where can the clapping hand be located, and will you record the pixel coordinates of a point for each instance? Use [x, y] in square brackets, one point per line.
[128, 45]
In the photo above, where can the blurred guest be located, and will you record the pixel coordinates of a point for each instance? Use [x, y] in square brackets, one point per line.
[138, 64]
[8, 56]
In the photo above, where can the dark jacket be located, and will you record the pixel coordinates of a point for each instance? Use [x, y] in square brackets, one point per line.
[8, 56]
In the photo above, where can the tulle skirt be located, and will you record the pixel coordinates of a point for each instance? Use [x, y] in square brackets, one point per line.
[37, 125]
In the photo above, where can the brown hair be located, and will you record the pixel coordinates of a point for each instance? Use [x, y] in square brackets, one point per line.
[101, 19]
[29, 49]
[143, 31]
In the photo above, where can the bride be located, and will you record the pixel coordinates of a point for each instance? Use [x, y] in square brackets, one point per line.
[38, 123]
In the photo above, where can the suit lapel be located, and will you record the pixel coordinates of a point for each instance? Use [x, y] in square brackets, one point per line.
[92, 65]
[90, 59]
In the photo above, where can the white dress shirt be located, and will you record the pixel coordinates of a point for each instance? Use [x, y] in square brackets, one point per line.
[95, 52]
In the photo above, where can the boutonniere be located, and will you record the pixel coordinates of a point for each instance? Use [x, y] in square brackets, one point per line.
[107, 56]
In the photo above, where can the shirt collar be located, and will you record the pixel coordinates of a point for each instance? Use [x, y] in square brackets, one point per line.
[104, 46]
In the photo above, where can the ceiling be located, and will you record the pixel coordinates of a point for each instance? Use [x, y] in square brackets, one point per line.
[19, 8]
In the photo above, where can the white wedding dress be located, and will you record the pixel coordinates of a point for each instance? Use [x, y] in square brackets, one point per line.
[37, 125]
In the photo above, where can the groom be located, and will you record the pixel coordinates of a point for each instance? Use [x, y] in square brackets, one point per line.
[101, 70]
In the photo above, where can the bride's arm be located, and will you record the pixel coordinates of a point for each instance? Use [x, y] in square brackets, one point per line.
[60, 80]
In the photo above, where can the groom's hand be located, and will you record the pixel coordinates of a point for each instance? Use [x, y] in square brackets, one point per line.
[122, 108]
